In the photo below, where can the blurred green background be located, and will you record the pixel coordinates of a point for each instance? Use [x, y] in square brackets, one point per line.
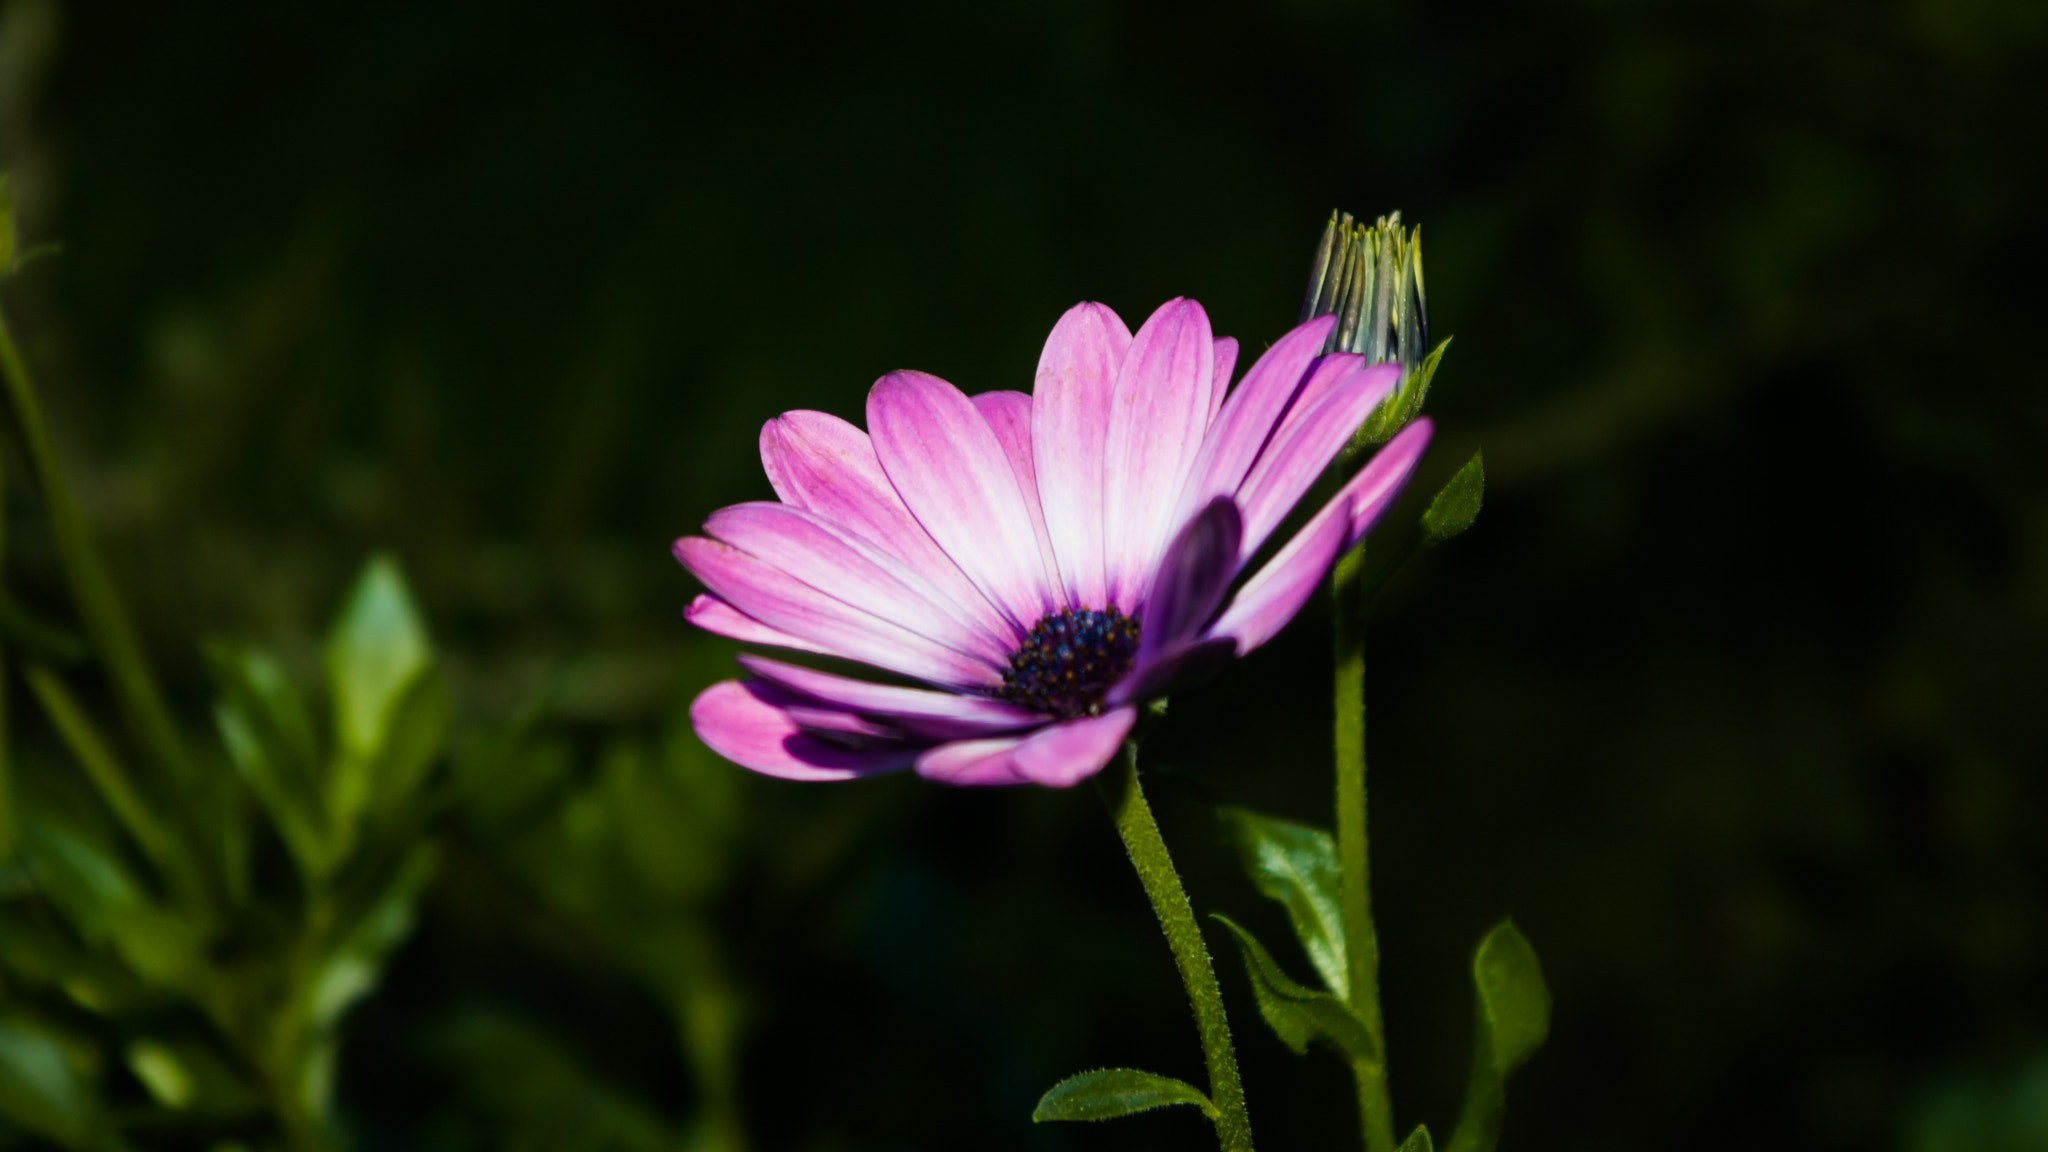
[1733, 697]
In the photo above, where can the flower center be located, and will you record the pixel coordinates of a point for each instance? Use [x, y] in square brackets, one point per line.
[1070, 660]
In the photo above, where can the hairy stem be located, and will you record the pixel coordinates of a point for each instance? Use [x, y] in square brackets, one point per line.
[1354, 891]
[1170, 902]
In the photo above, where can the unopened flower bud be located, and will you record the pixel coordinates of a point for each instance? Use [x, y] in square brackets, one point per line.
[1370, 277]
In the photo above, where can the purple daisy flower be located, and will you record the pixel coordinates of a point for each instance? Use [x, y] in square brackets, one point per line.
[1042, 564]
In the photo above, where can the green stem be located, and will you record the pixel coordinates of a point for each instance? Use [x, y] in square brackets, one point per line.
[1354, 890]
[135, 690]
[1170, 902]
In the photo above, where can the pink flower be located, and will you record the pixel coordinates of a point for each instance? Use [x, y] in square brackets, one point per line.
[1042, 564]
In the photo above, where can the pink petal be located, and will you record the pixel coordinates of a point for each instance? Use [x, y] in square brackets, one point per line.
[783, 603]
[1271, 598]
[946, 463]
[1298, 454]
[1157, 415]
[1226, 363]
[744, 724]
[1246, 421]
[1069, 417]
[1065, 754]
[1009, 417]
[1193, 575]
[721, 619]
[937, 715]
[1389, 470]
[825, 465]
[973, 763]
[848, 568]
[1173, 669]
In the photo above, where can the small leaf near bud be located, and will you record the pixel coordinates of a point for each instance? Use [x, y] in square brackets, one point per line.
[1457, 505]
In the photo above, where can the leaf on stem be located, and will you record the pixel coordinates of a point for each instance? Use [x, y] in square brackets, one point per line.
[43, 1087]
[1296, 865]
[1513, 1017]
[1299, 1014]
[1418, 1141]
[1457, 504]
[1108, 1093]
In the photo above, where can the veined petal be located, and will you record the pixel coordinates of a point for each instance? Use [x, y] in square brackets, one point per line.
[1063, 755]
[1271, 598]
[721, 619]
[973, 763]
[846, 567]
[945, 461]
[1009, 417]
[1193, 575]
[1299, 453]
[1069, 418]
[937, 715]
[746, 724]
[782, 602]
[1248, 416]
[1157, 415]
[1226, 363]
[824, 465]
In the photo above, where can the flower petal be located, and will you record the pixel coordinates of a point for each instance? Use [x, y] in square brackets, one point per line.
[1226, 363]
[946, 463]
[1009, 417]
[1193, 576]
[1271, 598]
[780, 601]
[1174, 669]
[1069, 418]
[1157, 414]
[746, 724]
[825, 465]
[937, 715]
[1301, 450]
[847, 568]
[1063, 755]
[1248, 416]
[973, 763]
[721, 619]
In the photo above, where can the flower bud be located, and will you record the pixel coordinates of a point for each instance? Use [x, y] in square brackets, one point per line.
[1370, 277]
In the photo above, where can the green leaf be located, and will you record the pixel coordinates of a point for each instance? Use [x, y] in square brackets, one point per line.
[1108, 1093]
[1299, 1014]
[265, 726]
[1418, 1141]
[43, 1088]
[1457, 504]
[185, 1076]
[1297, 866]
[375, 651]
[1513, 1017]
[355, 964]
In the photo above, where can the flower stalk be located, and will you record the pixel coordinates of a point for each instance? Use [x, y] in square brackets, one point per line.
[1354, 892]
[1140, 833]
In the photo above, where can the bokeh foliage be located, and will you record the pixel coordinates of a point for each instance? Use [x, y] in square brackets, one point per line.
[1731, 695]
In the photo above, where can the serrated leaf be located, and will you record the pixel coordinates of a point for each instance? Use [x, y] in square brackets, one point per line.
[1457, 504]
[1108, 1093]
[1299, 1014]
[375, 650]
[1418, 1141]
[1296, 865]
[42, 1088]
[1512, 1009]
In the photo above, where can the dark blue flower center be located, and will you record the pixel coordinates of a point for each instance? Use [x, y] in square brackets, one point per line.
[1070, 660]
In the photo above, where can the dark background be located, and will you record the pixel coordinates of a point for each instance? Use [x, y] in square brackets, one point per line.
[1733, 697]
